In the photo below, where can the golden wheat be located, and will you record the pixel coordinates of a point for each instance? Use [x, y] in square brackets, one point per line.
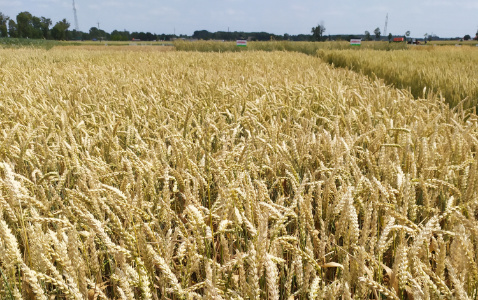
[449, 72]
[149, 175]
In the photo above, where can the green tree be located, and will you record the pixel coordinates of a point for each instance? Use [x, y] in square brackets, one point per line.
[318, 32]
[390, 36]
[12, 29]
[377, 33]
[37, 28]
[29, 26]
[44, 26]
[74, 35]
[3, 25]
[25, 25]
[60, 30]
[367, 36]
[202, 35]
[119, 35]
[98, 34]
[467, 37]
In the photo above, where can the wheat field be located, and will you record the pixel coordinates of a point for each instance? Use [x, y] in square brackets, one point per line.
[250, 175]
[309, 48]
[446, 71]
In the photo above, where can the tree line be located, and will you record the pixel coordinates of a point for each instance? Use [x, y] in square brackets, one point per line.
[241, 35]
[26, 25]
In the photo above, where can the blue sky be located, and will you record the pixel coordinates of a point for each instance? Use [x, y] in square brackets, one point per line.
[441, 17]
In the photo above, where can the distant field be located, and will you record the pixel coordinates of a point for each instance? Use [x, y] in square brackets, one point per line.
[116, 43]
[48, 44]
[145, 174]
[455, 42]
[451, 72]
[302, 47]
[119, 47]
[19, 43]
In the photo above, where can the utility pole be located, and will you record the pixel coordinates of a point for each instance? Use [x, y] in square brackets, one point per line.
[77, 27]
[386, 24]
[101, 37]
